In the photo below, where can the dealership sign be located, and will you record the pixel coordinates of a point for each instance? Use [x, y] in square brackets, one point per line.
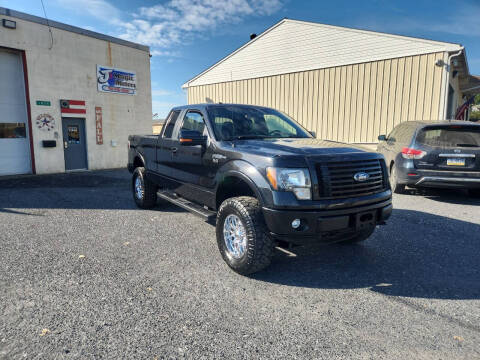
[116, 80]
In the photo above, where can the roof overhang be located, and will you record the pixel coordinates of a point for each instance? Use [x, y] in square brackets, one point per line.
[471, 85]
[432, 45]
[74, 29]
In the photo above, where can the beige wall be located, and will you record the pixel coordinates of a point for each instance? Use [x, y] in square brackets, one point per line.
[352, 103]
[66, 69]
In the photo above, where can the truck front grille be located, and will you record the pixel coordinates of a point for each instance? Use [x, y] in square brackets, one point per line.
[336, 179]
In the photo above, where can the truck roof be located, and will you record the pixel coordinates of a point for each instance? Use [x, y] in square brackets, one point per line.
[212, 105]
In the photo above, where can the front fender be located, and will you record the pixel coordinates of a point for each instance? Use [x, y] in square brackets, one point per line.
[251, 175]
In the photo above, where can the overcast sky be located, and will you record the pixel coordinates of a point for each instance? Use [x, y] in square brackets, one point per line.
[187, 36]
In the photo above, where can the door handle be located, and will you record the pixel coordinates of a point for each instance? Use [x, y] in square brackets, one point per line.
[173, 149]
[65, 145]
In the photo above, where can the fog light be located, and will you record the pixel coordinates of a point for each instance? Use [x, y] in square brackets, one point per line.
[296, 223]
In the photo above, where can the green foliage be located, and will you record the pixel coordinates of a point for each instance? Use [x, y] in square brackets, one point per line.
[475, 116]
[477, 100]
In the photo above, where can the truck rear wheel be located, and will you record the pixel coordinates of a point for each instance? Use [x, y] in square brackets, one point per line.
[242, 236]
[144, 191]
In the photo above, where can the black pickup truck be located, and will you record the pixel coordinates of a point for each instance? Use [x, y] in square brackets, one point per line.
[264, 179]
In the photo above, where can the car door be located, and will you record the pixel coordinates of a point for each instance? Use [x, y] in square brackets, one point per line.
[193, 165]
[389, 146]
[166, 144]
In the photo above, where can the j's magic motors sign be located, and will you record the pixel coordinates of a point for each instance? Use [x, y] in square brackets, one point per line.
[116, 80]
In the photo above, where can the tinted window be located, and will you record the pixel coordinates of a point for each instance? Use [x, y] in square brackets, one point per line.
[73, 134]
[231, 121]
[171, 120]
[402, 133]
[193, 121]
[393, 135]
[450, 136]
[12, 130]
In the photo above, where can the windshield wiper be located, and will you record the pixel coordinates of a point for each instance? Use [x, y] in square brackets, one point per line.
[467, 145]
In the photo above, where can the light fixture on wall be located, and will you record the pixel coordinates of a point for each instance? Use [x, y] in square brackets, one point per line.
[9, 24]
[440, 62]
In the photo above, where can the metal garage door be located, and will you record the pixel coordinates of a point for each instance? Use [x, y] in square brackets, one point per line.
[14, 136]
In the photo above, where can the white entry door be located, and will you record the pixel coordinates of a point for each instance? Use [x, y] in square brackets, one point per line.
[14, 135]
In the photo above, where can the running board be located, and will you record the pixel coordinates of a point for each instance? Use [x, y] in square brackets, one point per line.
[207, 215]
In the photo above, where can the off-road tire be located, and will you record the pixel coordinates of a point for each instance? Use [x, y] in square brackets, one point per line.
[260, 246]
[394, 185]
[359, 237]
[149, 198]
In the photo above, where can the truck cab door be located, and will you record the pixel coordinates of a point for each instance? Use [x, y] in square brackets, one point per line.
[165, 143]
[192, 164]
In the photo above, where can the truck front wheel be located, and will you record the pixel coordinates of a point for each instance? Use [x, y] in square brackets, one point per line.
[144, 191]
[242, 236]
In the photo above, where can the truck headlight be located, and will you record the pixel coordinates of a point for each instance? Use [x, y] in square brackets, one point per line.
[287, 179]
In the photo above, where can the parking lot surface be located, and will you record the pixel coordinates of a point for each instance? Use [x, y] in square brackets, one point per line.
[85, 274]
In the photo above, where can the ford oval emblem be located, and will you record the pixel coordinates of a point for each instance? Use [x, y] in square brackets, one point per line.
[361, 176]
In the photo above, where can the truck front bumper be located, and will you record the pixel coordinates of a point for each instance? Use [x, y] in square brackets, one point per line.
[325, 225]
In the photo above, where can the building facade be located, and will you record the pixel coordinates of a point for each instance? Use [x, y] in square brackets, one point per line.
[345, 84]
[69, 97]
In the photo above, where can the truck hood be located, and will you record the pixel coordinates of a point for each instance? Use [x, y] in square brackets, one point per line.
[305, 146]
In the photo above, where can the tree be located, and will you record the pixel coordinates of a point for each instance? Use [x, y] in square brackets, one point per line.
[476, 101]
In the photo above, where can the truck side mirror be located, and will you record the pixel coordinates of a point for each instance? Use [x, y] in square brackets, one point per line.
[192, 138]
[382, 138]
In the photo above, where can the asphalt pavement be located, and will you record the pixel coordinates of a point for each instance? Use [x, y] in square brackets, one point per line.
[84, 274]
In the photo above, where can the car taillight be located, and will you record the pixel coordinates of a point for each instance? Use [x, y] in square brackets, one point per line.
[409, 153]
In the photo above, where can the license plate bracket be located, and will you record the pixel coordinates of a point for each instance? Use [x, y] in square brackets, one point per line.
[455, 161]
[365, 219]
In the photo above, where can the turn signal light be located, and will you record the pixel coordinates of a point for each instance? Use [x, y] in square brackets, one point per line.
[409, 153]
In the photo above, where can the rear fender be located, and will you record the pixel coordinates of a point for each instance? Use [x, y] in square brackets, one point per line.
[134, 155]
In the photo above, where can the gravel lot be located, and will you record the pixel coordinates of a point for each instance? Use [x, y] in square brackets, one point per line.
[85, 274]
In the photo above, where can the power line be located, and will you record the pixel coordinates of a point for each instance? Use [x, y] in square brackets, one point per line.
[48, 24]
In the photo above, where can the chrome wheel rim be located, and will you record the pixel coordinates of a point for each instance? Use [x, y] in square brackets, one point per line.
[235, 236]
[138, 188]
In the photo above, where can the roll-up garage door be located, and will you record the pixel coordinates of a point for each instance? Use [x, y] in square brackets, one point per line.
[14, 134]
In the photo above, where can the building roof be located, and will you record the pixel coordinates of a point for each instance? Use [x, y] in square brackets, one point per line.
[74, 29]
[292, 46]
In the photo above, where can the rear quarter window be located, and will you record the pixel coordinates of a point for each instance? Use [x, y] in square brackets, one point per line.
[170, 124]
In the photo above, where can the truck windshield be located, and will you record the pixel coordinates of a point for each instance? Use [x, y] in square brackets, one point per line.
[232, 122]
[450, 136]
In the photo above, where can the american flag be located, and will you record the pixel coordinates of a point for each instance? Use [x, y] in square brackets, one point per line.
[72, 107]
[462, 110]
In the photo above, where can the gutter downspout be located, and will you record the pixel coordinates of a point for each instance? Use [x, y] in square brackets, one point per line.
[447, 82]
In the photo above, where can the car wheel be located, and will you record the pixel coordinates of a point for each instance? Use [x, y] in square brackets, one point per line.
[242, 236]
[395, 186]
[360, 236]
[144, 191]
[474, 192]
